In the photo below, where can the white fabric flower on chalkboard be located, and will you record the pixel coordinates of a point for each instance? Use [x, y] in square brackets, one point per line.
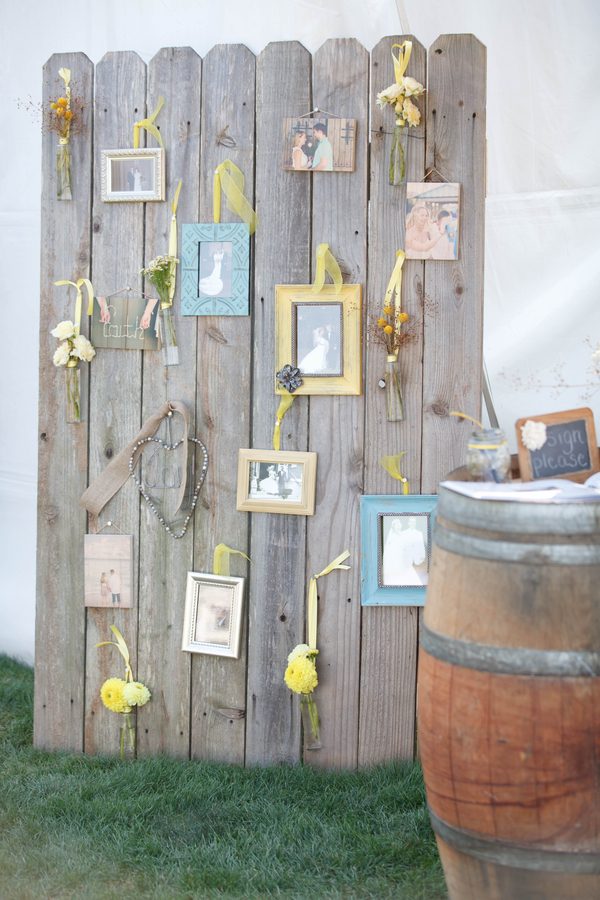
[533, 434]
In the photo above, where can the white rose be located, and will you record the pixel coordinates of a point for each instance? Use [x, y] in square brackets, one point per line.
[411, 113]
[412, 88]
[61, 357]
[596, 356]
[82, 348]
[63, 330]
[533, 434]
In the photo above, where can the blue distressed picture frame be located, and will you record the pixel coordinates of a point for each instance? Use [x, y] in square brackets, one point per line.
[407, 547]
[225, 271]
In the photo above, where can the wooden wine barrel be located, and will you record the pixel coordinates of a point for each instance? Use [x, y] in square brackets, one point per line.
[509, 698]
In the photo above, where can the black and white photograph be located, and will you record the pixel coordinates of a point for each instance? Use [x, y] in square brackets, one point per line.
[275, 481]
[132, 175]
[107, 570]
[213, 614]
[404, 550]
[432, 220]
[317, 338]
[214, 269]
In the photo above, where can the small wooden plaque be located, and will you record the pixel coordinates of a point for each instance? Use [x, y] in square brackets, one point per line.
[570, 451]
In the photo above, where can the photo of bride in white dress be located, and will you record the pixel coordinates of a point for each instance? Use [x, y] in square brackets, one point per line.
[405, 542]
[316, 360]
[282, 481]
[214, 277]
[317, 338]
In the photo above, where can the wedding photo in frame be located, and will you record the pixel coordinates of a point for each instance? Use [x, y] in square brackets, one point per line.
[107, 569]
[215, 270]
[320, 144]
[432, 220]
[212, 621]
[133, 175]
[277, 481]
[320, 334]
[396, 548]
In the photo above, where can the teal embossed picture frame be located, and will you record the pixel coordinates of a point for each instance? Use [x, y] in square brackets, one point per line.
[396, 547]
[215, 270]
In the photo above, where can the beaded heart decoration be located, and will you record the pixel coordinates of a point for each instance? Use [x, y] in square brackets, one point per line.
[148, 499]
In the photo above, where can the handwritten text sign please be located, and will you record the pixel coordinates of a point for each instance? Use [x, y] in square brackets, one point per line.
[570, 449]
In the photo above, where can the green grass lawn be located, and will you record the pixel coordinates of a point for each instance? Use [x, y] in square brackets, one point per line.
[96, 829]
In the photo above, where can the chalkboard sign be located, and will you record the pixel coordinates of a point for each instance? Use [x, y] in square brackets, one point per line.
[570, 450]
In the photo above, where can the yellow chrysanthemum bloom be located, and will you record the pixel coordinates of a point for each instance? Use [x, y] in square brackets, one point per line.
[112, 695]
[382, 322]
[136, 693]
[388, 329]
[301, 676]
[387, 310]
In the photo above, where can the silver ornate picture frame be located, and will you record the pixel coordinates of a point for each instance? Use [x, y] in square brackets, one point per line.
[130, 176]
[212, 621]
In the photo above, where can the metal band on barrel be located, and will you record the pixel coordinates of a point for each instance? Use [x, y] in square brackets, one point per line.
[506, 854]
[508, 551]
[508, 660]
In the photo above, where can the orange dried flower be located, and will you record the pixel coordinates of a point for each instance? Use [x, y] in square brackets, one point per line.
[382, 322]
[388, 329]
[62, 101]
[387, 310]
[68, 114]
[403, 317]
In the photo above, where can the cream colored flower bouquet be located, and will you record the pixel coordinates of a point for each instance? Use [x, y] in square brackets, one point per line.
[74, 347]
[399, 96]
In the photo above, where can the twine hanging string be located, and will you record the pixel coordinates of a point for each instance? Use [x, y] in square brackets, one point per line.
[312, 597]
[230, 179]
[148, 124]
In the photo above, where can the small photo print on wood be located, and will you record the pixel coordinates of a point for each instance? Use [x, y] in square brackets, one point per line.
[432, 220]
[125, 323]
[321, 144]
[213, 615]
[569, 449]
[133, 175]
[317, 338]
[108, 574]
[215, 260]
[277, 481]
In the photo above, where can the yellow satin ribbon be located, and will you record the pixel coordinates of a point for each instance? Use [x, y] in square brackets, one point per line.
[392, 465]
[401, 61]
[286, 401]
[395, 285]
[326, 261]
[173, 248]
[65, 74]
[230, 179]
[312, 597]
[221, 559]
[147, 124]
[123, 650]
[470, 418]
[77, 284]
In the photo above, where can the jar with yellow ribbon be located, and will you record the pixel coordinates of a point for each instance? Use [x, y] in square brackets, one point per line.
[400, 95]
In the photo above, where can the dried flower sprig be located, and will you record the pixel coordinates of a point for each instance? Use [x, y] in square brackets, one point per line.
[60, 115]
[395, 330]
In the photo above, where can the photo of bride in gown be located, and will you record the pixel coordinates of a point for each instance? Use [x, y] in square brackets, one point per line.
[317, 338]
[214, 277]
[282, 481]
[405, 543]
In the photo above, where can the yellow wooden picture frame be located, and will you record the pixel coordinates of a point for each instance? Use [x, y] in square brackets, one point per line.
[350, 298]
[277, 481]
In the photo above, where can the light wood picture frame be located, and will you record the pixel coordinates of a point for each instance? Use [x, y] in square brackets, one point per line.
[130, 176]
[277, 481]
[305, 332]
[212, 622]
[570, 451]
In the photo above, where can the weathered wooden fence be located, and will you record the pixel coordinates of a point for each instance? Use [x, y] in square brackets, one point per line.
[367, 661]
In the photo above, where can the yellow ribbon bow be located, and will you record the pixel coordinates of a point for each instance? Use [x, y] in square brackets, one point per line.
[286, 401]
[401, 61]
[312, 597]
[123, 650]
[326, 261]
[230, 178]
[77, 284]
[173, 248]
[147, 124]
[221, 559]
[395, 285]
[392, 465]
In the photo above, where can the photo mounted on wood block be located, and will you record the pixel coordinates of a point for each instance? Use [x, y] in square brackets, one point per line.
[320, 335]
[432, 220]
[126, 323]
[212, 621]
[321, 144]
[558, 445]
[277, 481]
[396, 548]
[108, 574]
[215, 262]
[133, 175]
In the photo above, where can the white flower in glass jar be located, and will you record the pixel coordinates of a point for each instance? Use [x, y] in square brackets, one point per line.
[533, 434]
[63, 330]
[82, 348]
[62, 354]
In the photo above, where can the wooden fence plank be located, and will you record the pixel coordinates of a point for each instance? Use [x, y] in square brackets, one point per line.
[116, 384]
[223, 400]
[453, 342]
[389, 634]
[62, 461]
[341, 86]
[277, 577]
[164, 724]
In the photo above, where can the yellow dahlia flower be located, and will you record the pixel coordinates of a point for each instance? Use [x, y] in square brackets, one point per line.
[301, 676]
[112, 695]
[136, 693]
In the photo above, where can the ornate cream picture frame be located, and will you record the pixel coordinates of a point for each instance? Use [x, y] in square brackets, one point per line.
[133, 175]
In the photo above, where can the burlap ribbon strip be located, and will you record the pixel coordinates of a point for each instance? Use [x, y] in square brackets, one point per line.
[117, 471]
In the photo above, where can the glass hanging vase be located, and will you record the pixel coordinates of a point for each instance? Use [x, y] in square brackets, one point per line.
[310, 723]
[73, 394]
[488, 458]
[168, 338]
[128, 736]
[63, 171]
[393, 390]
[398, 154]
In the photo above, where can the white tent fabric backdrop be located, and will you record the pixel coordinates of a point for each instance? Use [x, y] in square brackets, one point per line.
[543, 206]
